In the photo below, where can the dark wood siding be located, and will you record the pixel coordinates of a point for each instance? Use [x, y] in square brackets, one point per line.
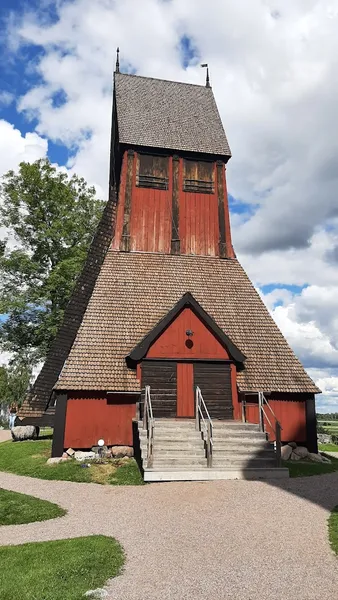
[214, 380]
[161, 376]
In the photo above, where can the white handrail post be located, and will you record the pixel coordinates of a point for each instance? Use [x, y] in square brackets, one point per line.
[243, 410]
[260, 411]
[197, 419]
[278, 444]
[209, 451]
[145, 406]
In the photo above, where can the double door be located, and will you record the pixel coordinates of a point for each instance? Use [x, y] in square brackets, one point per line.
[173, 386]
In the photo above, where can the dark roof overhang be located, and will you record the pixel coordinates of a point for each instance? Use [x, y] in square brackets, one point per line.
[187, 300]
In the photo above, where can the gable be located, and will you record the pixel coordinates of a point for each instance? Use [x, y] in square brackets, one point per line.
[174, 342]
[140, 351]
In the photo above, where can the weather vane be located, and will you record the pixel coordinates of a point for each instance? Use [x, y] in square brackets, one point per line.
[207, 82]
[117, 68]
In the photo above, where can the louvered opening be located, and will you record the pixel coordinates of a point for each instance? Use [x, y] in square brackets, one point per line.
[198, 177]
[152, 172]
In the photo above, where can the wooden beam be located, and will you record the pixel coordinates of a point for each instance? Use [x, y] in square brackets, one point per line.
[125, 241]
[228, 242]
[221, 215]
[311, 425]
[59, 424]
[175, 236]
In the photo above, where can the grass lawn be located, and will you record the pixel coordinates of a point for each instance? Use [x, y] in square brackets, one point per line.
[333, 529]
[328, 447]
[18, 508]
[305, 469]
[29, 458]
[59, 570]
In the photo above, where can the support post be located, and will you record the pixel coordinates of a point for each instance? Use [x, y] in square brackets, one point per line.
[197, 415]
[209, 445]
[260, 411]
[243, 410]
[59, 424]
[278, 445]
[125, 240]
[175, 234]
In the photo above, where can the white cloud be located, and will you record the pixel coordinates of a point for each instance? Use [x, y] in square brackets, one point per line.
[273, 69]
[6, 98]
[15, 147]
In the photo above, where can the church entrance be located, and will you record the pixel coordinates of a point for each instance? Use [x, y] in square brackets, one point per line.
[173, 383]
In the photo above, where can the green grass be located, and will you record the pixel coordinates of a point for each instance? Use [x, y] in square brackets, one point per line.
[333, 529]
[306, 469]
[29, 458]
[18, 508]
[328, 447]
[59, 570]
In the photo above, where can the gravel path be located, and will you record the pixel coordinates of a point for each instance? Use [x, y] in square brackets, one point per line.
[222, 540]
[5, 435]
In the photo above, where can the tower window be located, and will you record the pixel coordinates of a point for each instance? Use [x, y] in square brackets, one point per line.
[198, 176]
[152, 171]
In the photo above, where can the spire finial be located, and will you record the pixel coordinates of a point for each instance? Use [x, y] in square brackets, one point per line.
[117, 67]
[207, 81]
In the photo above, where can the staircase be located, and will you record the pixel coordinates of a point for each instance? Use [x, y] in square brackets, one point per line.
[240, 451]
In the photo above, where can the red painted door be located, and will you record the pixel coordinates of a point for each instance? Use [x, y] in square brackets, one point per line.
[185, 390]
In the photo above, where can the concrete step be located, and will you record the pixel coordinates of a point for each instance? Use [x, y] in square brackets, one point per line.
[235, 425]
[176, 433]
[182, 461]
[172, 423]
[237, 433]
[243, 452]
[243, 462]
[207, 474]
[179, 447]
[233, 444]
[191, 452]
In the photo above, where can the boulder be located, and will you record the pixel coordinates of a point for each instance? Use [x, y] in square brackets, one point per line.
[55, 460]
[100, 450]
[315, 457]
[122, 451]
[286, 452]
[301, 451]
[24, 432]
[294, 456]
[326, 459]
[97, 594]
[324, 438]
[82, 456]
[292, 444]
[65, 455]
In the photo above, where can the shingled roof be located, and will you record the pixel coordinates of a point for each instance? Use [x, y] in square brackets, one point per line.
[168, 114]
[135, 290]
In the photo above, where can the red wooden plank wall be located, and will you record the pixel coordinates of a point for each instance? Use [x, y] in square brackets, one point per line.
[174, 343]
[198, 223]
[151, 217]
[150, 220]
[92, 416]
[290, 414]
[185, 390]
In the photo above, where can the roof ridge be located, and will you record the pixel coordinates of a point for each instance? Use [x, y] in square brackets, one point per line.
[165, 80]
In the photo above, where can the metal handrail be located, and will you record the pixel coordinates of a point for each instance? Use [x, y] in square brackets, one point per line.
[262, 413]
[277, 429]
[149, 425]
[207, 424]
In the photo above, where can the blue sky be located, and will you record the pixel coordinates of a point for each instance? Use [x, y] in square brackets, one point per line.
[276, 89]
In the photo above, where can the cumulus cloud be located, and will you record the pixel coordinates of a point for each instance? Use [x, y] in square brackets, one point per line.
[15, 147]
[273, 69]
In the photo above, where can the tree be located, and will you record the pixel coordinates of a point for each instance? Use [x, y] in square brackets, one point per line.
[50, 220]
[14, 383]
